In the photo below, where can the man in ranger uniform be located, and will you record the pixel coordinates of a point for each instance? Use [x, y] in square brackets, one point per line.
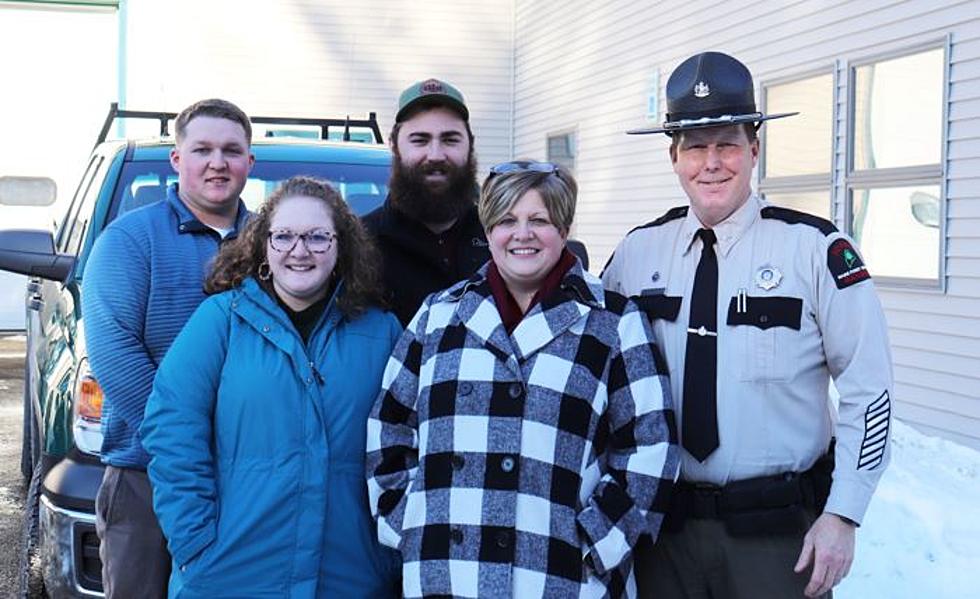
[756, 308]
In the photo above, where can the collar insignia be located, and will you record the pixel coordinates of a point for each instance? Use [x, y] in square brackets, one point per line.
[768, 277]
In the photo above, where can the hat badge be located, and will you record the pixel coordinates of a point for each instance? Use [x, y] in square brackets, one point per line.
[701, 90]
[431, 86]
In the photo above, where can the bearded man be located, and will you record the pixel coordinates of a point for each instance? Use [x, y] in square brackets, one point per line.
[428, 229]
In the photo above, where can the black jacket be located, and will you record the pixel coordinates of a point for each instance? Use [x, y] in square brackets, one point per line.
[414, 263]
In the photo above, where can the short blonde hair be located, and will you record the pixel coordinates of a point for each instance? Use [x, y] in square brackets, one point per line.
[501, 191]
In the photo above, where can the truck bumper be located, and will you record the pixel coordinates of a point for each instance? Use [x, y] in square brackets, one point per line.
[69, 552]
[68, 544]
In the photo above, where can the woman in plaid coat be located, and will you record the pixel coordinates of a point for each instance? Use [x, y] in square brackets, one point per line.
[524, 436]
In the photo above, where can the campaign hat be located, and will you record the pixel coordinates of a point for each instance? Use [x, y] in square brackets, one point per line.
[710, 89]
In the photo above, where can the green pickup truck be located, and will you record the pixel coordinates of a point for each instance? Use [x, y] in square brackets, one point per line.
[62, 400]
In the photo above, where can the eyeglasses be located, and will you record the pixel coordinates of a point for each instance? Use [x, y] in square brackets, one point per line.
[317, 241]
[524, 166]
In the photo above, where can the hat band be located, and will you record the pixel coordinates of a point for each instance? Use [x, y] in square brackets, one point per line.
[715, 113]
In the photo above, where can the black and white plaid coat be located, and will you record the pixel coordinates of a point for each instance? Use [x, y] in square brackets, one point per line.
[522, 465]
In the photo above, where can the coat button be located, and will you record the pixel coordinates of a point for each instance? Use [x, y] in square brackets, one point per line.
[503, 539]
[507, 464]
[465, 388]
[516, 390]
[763, 319]
[458, 461]
[265, 328]
[309, 380]
[457, 535]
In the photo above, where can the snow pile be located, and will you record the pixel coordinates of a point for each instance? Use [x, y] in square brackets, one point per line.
[921, 535]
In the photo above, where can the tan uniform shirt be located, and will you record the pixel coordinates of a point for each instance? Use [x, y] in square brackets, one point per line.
[795, 307]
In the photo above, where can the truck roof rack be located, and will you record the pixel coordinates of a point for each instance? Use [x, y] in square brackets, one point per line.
[324, 124]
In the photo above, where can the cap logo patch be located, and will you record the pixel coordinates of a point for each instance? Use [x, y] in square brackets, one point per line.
[701, 90]
[845, 264]
[431, 86]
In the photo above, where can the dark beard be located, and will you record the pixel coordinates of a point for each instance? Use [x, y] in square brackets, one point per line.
[410, 193]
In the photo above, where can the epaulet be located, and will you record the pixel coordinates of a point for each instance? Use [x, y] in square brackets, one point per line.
[795, 217]
[672, 214]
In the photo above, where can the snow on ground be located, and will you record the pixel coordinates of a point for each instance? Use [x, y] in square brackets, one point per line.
[921, 535]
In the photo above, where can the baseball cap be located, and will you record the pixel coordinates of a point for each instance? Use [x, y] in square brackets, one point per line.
[431, 92]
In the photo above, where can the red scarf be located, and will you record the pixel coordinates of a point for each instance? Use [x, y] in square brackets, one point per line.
[510, 311]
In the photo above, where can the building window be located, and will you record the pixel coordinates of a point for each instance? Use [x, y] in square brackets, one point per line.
[561, 149]
[895, 171]
[797, 154]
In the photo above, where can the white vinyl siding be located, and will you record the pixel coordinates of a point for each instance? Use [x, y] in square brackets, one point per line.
[588, 66]
[325, 58]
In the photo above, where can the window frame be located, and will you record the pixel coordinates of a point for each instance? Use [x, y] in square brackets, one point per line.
[802, 183]
[884, 178]
[571, 132]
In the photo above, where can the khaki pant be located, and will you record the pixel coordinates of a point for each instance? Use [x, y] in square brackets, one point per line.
[135, 562]
[702, 561]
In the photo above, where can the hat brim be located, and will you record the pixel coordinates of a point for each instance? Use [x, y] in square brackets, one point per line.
[703, 123]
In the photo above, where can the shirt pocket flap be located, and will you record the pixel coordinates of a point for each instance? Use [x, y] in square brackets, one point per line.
[766, 312]
[659, 307]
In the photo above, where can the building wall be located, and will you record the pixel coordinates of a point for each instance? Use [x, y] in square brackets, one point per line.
[49, 93]
[325, 58]
[588, 67]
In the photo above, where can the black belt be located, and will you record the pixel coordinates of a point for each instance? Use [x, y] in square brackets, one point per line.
[767, 504]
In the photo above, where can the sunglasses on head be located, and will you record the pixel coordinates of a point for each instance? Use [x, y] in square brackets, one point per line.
[524, 166]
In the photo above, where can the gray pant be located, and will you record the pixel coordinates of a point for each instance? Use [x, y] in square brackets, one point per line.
[135, 562]
[703, 561]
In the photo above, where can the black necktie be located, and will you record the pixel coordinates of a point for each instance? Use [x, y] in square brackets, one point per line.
[699, 420]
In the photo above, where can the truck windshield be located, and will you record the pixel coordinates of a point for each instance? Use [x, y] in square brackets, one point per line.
[364, 186]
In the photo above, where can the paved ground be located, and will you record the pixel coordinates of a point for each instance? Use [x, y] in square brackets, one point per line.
[11, 485]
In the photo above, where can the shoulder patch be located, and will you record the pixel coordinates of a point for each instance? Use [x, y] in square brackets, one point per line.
[672, 214]
[795, 217]
[845, 264]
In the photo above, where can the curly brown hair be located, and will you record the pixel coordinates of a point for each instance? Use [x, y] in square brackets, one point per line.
[358, 259]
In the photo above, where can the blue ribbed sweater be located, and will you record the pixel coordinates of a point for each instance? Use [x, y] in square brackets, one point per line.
[143, 280]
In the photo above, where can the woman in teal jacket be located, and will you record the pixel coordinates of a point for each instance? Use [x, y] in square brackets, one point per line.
[256, 422]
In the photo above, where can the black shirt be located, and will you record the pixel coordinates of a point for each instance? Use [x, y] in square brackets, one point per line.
[418, 262]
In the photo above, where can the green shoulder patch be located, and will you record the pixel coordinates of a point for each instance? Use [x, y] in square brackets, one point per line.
[845, 264]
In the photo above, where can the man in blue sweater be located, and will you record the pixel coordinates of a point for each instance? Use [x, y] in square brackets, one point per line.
[143, 281]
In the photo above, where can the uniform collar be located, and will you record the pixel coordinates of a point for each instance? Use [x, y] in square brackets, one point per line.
[188, 223]
[728, 231]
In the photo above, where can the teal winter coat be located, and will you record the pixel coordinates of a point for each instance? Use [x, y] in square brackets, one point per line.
[257, 451]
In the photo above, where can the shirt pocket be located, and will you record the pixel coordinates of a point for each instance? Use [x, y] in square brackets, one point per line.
[767, 329]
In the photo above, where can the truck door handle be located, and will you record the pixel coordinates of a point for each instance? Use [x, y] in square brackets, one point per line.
[36, 302]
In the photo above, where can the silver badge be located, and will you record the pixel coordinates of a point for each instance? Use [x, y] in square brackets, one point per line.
[768, 277]
[701, 90]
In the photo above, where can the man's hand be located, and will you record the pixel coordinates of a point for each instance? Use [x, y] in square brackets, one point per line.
[829, 546]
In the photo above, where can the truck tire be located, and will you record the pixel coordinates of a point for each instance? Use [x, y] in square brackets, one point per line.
[31, 580]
